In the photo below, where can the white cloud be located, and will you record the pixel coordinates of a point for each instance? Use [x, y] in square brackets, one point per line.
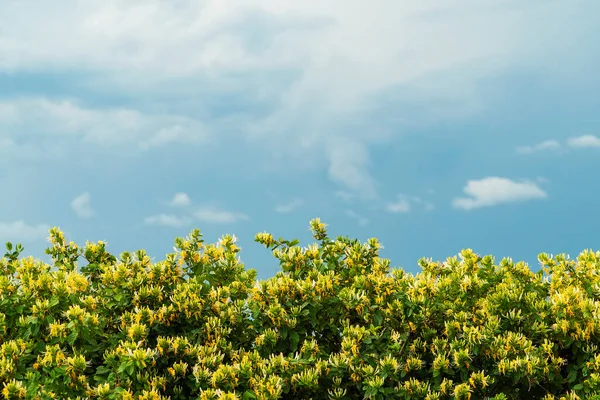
[21, 232]
[180, 200]
[337, 57]
[154, 39]
[545, 145]
[404, 204]
[492, 191]
[173, 134]
[288, 207]
[213, 215]
[585, 141]
[348, 162]
[167, 220]
[362, 221]
[11, 150]
[82, 205]
[206, 214]
[345, 196]
[61, 123]
[427, 205]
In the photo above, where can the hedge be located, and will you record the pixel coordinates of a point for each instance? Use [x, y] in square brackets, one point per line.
[337, 322]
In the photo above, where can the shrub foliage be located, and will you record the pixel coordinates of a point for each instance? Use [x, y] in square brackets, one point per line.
[335, 323]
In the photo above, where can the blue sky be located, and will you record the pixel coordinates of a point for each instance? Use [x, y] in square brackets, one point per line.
[431, 125]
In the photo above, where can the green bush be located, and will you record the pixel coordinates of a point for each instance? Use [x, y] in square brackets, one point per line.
[335, 323]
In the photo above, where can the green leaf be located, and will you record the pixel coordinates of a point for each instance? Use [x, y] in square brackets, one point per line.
[121, 368]
[248, 395]
[378, 318]
[295, 338]
[54, 301]
[572, 376]
[72, 337]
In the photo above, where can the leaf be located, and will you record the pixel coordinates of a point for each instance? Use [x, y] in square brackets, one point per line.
[572, 376]
[121, 368]
[102, 370]
[248, 395]
[295, 338]
[378, 318]
[54, 301]
[72, 337]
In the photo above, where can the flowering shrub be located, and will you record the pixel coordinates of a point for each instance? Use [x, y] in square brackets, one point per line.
[335, 323]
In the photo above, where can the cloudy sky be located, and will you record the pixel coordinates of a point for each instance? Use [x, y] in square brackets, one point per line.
[432, 125]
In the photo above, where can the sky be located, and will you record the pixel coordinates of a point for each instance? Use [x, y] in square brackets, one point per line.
[432, 125]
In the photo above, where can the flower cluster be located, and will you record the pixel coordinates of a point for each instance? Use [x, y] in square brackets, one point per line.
[335, 323]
